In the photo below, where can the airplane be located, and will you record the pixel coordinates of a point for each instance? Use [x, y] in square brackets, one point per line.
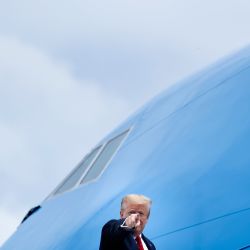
[187, 149]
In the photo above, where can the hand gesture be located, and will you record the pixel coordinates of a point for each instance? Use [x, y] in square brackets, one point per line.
[133, 221]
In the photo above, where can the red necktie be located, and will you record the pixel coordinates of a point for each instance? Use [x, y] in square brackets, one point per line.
[139, 242]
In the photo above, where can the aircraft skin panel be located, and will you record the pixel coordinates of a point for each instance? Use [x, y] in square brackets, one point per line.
[217, 234]
[188, 150]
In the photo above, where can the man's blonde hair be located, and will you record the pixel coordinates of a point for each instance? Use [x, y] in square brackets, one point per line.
[136, 199]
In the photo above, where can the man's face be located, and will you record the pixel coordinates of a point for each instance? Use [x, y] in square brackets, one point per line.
[142, 210]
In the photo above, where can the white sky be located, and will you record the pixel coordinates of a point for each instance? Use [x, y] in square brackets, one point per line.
[70, 71]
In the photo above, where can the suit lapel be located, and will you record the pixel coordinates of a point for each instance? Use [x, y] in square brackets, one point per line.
[131, 243]
[147, 242]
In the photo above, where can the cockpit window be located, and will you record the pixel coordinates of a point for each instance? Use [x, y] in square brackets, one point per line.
[78, 172]
[104, 158]
[93, 165]
[31, 212]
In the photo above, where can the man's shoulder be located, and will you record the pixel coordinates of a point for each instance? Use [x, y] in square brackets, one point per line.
[114, 222]
[115, 227]
[114, 236]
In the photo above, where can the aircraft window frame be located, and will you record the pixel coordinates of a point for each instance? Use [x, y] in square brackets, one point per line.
[123, 137]
[99, 151]
[57, 191]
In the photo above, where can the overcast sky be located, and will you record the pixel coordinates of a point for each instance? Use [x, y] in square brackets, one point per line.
[70, 71]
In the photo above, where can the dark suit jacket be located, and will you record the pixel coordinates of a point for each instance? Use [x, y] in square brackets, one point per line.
[114, 237]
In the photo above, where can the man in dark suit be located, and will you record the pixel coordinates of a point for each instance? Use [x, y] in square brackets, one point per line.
[126, 233]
